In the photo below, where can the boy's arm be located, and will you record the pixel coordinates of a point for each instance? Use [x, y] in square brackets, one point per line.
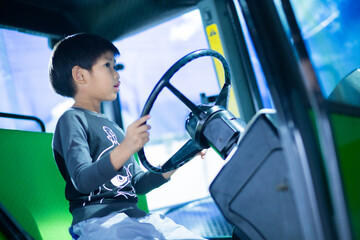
[136, 136]
[144, 182]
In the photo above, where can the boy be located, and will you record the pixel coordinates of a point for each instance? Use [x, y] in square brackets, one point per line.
[94, 156]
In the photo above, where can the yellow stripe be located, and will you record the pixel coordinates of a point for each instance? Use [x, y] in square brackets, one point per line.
[213, 36]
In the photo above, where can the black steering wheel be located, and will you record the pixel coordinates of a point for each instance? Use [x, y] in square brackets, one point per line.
[197, 118]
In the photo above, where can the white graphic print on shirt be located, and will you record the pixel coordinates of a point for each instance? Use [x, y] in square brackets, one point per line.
[118, 181]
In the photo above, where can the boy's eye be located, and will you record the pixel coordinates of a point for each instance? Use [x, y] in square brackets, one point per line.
[108, 65]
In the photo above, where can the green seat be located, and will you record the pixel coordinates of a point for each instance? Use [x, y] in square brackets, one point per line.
[32, 188]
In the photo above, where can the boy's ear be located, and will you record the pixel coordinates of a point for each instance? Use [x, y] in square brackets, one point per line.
[78, 74]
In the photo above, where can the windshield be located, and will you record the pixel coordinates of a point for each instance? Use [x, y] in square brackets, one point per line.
[330, 30]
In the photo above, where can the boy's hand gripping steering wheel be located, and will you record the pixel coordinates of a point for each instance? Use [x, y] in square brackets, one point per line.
[198, 118]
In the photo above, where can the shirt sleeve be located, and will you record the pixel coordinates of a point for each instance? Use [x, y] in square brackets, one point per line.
[71, 141]
[144, 182]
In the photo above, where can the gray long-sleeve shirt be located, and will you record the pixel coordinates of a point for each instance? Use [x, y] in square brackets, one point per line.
[82, 144]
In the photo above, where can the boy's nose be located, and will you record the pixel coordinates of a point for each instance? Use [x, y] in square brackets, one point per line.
[117, 75]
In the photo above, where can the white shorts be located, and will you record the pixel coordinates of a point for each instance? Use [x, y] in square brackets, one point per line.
[119, 226]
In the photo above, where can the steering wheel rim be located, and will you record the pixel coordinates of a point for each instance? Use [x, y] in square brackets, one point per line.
[191, 147]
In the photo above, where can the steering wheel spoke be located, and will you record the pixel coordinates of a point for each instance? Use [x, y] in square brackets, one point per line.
[182, 156]
[223, 97]
[195, 109]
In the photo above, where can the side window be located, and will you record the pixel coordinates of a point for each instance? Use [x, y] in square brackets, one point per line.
[24, 82]
[331, 36]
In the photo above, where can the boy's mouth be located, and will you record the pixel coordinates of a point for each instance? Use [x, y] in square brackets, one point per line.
[117, 85]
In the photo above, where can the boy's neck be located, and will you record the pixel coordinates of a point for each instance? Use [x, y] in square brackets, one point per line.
[87, 106]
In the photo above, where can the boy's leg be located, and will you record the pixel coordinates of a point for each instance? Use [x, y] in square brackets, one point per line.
[116, 226]
[169, 228]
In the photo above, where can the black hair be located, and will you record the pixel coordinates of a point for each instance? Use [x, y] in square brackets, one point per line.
[83, 50]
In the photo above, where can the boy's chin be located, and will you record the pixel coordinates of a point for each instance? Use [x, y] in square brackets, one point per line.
[111, 98]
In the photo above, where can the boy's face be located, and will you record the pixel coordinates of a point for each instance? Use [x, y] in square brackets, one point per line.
[103, 80]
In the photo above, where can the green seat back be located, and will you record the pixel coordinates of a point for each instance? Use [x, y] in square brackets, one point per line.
[32, 188]
[346, 130]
